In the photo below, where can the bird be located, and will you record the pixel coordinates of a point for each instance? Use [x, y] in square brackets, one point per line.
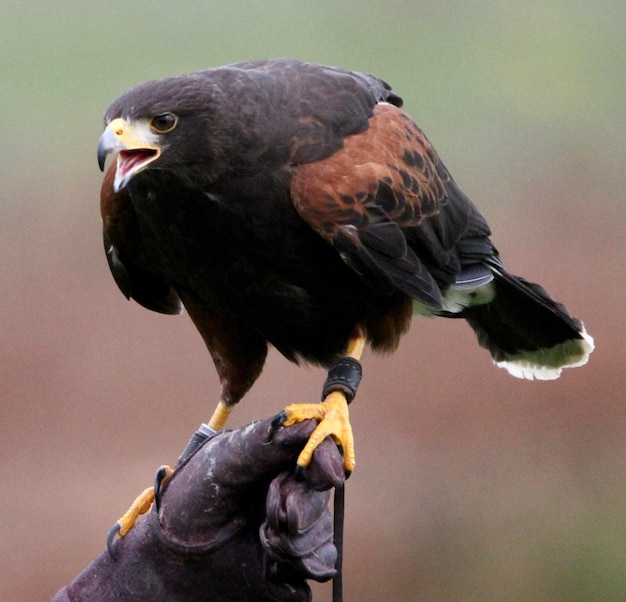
[295, 205]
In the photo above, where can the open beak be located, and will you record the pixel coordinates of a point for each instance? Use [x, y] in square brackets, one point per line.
[135, 144]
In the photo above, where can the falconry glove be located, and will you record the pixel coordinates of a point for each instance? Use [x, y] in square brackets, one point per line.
[235, 522]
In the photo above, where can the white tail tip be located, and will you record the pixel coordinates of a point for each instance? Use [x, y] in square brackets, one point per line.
[547, 364]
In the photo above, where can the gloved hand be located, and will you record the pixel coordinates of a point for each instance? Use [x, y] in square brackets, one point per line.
[234, 523]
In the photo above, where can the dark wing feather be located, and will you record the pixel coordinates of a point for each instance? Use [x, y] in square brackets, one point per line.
[386, 202]
[122, 244]
[303, 108]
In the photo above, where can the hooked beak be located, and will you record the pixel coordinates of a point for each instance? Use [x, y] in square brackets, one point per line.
[135, 144]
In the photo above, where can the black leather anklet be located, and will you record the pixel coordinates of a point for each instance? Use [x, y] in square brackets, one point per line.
[344, 376]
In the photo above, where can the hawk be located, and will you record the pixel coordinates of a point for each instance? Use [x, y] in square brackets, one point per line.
[296, 205]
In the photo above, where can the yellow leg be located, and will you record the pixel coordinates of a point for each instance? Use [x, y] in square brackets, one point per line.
[355, 347]
[144, 500]
[332, 415]
[220, 416]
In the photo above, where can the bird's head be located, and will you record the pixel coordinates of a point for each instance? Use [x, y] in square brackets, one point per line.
[138, 144]
[162, 125]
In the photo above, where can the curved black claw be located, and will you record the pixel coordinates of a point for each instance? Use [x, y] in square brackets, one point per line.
[346, 472]
[115, 529]
[277, 422]
[159, 478]
[299, 473]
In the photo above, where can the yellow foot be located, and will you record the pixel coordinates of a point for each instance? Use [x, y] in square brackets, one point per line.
[334, 420]
[140, 506]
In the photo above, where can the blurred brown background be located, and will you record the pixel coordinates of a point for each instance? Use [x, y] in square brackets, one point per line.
[470, 485]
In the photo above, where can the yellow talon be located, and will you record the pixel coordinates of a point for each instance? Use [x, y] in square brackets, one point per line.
[334, 421]
[140, 506]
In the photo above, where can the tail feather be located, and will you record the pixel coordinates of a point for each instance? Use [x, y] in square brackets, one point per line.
[526, 331]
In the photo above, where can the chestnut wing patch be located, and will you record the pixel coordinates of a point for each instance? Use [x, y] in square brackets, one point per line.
[378, 201]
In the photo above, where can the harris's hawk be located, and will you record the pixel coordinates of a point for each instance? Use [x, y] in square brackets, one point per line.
[293, 204]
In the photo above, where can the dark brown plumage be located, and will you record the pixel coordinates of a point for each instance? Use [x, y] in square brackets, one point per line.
[294, 204]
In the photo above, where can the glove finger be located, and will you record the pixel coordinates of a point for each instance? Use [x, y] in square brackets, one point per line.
[294, 558]
[292, 506]
[298, 530]
[326, 468]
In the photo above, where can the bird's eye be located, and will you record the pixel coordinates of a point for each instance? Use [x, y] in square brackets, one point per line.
[161, 124]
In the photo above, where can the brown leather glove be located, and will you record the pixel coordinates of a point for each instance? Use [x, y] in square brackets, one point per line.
[234, 523]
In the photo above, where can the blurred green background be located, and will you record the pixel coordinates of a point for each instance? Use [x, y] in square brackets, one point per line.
[470, 485]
